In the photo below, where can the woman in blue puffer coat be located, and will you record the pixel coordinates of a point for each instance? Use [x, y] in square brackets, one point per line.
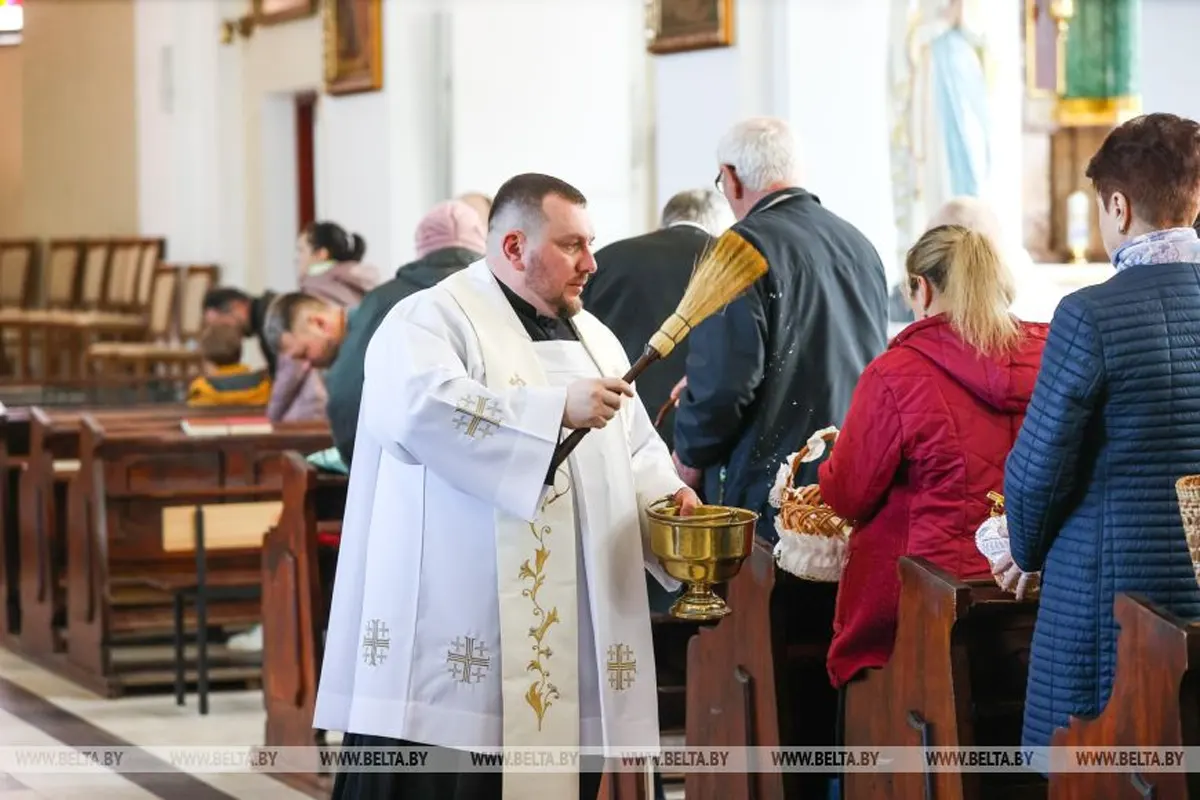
[1114, 421]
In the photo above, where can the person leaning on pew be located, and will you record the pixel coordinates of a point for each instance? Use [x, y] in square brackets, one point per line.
[924, 441]
[226, 381]
[1114, 422]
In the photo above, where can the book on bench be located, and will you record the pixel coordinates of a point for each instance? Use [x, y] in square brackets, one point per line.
[226, 426]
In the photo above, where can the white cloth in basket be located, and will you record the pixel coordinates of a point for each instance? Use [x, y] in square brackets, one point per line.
[812, 558]
[992, 541]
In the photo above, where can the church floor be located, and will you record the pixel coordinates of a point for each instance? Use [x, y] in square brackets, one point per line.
[38, 708]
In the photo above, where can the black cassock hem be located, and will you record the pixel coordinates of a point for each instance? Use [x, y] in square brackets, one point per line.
[415, 785]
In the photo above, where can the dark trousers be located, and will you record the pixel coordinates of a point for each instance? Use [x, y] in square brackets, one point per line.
[464, 785]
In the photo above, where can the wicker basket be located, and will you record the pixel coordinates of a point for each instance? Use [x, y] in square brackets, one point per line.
[1187, 489]
[812, 538]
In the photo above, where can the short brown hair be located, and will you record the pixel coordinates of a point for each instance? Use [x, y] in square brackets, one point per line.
[1154, 160]
[221, 345]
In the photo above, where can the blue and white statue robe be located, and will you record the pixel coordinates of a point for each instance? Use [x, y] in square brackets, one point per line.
[938, 96]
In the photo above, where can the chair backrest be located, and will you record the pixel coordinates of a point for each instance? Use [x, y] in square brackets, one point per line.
[197, 280]
[164, 299]
[122, 275]
[61, 272]
[16, 272]
[152, 253]
[96, 254]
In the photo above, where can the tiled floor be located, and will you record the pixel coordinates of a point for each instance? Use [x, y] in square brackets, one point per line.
[39, 708]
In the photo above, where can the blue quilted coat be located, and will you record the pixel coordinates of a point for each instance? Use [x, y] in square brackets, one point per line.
[1090, 483]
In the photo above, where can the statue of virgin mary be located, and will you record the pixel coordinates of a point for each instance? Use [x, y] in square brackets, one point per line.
[939, 109]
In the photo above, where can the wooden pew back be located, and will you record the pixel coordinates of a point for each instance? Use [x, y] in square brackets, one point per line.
[52, 464]
[116, 543]
[1155, 702]
[295, 605]
[956, 678]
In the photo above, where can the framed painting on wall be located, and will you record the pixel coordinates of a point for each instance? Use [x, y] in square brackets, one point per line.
[353, 46]
[680, 25]
[271, 12]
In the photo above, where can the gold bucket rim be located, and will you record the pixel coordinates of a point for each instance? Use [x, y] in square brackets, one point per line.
[706, 515]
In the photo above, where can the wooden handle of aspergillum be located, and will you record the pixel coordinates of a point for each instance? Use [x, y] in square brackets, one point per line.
[571, 442]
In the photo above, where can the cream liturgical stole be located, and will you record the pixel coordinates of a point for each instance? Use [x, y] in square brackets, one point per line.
[537, 581]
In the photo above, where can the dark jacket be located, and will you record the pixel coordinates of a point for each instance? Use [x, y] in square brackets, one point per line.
[344, 378]
[781, 361]
[1090, 483]
[923, 443]
[638, 284]
[258, 315]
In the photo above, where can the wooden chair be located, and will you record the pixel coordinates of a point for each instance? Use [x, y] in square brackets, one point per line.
[956, 678]
[18, 260]
[1154, 703]
[139, 357]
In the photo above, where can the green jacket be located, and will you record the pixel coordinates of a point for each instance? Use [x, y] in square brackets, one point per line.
[344, 378]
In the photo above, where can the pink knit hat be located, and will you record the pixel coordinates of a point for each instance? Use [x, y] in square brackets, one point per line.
[451, 224]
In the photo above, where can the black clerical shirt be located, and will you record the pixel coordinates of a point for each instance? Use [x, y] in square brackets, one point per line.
[539, 327]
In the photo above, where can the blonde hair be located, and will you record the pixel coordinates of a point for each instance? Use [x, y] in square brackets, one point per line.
[966, 269]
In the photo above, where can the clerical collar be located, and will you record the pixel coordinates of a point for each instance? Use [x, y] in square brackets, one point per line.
[539, 327]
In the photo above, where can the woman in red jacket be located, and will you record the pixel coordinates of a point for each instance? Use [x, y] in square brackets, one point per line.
[930, 424]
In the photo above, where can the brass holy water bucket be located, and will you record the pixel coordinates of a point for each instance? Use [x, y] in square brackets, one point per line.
[704, 548]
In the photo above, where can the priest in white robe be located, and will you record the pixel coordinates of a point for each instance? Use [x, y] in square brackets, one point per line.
[478, 603]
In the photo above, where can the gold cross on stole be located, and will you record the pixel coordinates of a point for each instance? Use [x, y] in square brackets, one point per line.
[622, 668]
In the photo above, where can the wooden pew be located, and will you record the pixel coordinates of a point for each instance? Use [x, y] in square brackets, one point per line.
[295, 607]
[1155, 702]
[956, 678]
[757, 678]
[121, 558]
[14, 450]
[15, 435]
[43, 490]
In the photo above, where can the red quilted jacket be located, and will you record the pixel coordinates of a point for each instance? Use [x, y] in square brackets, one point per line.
[929, 428]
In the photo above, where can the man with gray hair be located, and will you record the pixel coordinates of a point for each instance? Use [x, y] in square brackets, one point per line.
[781, 361]
[640, 281]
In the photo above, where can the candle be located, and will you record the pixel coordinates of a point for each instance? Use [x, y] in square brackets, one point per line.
[1078, 225]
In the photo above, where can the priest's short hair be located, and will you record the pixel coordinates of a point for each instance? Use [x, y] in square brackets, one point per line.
[520, 200]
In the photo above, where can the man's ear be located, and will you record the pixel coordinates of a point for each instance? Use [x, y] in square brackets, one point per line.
[735, 183]
[513, 247]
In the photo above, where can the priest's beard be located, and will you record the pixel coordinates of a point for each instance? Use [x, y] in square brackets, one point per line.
[539, 281]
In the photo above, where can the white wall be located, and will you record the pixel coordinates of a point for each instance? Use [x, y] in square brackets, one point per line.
[1168, 44]
[700, 94]
[188, 97]
[548, 86]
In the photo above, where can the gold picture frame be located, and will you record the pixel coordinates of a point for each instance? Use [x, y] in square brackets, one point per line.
[353, 46]
[677, 26]
[273, 12]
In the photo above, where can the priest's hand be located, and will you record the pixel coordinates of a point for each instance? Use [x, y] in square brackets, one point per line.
[686, 501]
[592, 402]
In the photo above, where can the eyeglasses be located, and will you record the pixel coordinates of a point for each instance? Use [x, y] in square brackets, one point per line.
[717, 180]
